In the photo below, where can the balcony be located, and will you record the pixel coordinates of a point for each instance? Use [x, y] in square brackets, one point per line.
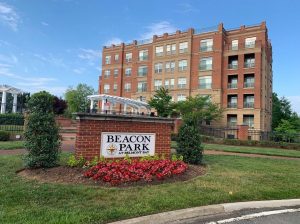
[142, 74]
[205, 86]
[143, 58]
[233, 66]
[206, 48]
[248, 104]
[248, 84]
[159, 54]
[232, 86]
[127, 60]
[181, 86]
[205, 67]
[249, 64]
[231, 105]
[142, 89]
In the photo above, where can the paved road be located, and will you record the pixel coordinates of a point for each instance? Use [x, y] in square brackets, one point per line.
[288, 215]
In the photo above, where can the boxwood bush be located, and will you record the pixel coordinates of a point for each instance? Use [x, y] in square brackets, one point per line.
[4, 135]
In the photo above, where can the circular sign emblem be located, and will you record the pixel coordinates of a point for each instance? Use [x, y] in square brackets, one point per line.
[111, 149]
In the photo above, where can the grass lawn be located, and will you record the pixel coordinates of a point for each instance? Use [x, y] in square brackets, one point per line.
[24, 201]
[253, 150]
[11, 145]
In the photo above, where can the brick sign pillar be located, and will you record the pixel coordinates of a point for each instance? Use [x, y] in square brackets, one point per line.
[242, 132]
[92, 127]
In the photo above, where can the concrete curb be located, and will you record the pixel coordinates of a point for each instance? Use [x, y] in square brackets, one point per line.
[189, 213]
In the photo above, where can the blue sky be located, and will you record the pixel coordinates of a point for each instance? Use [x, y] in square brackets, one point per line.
[54, 44]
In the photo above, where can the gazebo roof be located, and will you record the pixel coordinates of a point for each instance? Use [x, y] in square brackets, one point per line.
[121, 100]
[10, 89]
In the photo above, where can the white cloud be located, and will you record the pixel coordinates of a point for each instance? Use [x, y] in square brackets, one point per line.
[295, 101]
[114, 40]
[44, 23]
[9, 59]
[8, 16]
[158, 29]
[185, 8]
[89, 54]
[78, 70]
[50, 59]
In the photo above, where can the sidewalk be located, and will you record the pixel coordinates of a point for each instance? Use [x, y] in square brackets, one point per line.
[191, 213]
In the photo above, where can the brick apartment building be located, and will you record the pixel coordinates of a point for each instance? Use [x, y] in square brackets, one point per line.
[233, 67]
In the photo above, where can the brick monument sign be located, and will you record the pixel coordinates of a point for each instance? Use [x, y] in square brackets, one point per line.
[114, 136]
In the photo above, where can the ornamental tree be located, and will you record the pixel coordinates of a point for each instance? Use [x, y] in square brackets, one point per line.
[162, 102]
[42, 139]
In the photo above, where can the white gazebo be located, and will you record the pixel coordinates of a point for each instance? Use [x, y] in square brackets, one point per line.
[108, 101]
[14, 91]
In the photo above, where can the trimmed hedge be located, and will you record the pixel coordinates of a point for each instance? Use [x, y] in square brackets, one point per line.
[11, 119]
[4, 136]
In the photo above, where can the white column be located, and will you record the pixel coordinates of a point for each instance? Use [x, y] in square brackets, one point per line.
[102, 107]
[125, 108]
[3, 102]
[15, 103]
[92, 105]
[110, 107]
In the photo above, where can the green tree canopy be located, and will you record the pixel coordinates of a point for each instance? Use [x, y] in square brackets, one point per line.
[162, 102]
[77, 98]
[198, 109]
[281, 109]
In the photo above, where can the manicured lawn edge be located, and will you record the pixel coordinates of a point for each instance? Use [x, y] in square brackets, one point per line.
[228, 179]
[253, 150]
[11, 145]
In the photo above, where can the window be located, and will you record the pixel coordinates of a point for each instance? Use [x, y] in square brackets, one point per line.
[233, 62]
[159, 51]
[128, 71]
[128, 57]
[181, 97]
[116, 72]
[182, 65]
[231, 120]
[232, 101]
[232, 81]
[181, 83]
[116, 57]
[142, 87]
[157, 84]
[205, 82]
[183, 47]
[234, 45]
[249, 81]
[250, 42]
[248, 120]
[115, 87]
[106, 88]
[142, 71]
[206, 45]
[106, 74]
[206, 64]
[248, 101]
[127, 87]
[158, 67]
[171, 49]
[107, 59]
[249, 60]
[169, 83]
[170, 66]
[143, 55]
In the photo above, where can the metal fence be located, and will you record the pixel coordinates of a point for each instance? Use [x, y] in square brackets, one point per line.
[219, 132]
[12, 123]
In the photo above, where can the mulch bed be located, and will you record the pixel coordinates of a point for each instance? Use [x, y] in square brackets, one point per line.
[68, 175]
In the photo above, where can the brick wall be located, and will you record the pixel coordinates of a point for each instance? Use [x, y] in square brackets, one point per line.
[90, 127]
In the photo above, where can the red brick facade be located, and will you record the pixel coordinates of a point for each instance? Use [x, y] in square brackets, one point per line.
[257, 114]
[90, 127]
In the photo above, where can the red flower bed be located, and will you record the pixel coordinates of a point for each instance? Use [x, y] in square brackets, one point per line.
[131, 171]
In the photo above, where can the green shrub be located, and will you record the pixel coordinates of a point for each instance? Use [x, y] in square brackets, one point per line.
[189, 144]
[4, 136]
[41, 134]
[11, 119]
[74, 162]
